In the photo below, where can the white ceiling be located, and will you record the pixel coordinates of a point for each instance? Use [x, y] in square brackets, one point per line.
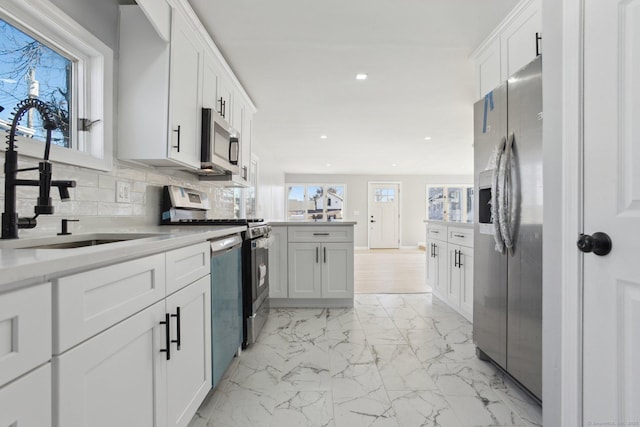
[298, 59]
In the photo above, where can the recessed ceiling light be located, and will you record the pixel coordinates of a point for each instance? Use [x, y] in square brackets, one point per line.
[323, 136]
[427, 138]
[361, 76]
[328, 165]
[393, 165]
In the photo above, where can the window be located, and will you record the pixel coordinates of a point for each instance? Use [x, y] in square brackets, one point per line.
[315, 202]
[450, 203]
[385, 195]
[44, 54]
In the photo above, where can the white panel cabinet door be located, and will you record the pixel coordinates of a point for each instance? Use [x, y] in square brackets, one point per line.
[189, 369]
[25, 330]
[305, 270]
[337, 270]
[442, 272]
[518, 40]
[278, 287]
[117, 378]
[454, 276]
[27, 401]
[184, 93]
[465, 261]
[488, 69]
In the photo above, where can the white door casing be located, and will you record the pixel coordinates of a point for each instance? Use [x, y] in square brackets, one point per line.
[384, 215]
[611, 284]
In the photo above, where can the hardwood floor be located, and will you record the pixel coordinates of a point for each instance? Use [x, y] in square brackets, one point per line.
[390, 271]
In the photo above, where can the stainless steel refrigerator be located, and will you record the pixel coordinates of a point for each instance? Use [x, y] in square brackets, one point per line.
[507, 310]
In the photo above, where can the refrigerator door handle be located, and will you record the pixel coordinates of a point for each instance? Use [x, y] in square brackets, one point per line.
[496, 195]
[505, 197]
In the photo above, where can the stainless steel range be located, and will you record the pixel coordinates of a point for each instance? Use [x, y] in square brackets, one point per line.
[183, 206]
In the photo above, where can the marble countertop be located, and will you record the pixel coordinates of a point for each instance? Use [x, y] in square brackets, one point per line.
[311, 223]
[22, 267]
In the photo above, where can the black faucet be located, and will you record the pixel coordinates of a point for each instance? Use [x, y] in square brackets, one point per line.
[10, 220]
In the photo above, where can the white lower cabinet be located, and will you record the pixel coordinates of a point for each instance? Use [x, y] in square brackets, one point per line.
[117, 378]
[460, 292]
[26, 402]
[278, 263]
[320, 270]
[189, 368]
[149, 367]
[337, 270]
[143, 371]
[437, 267]
[450, 265]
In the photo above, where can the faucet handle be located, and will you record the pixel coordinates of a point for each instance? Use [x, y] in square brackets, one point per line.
[65, 223]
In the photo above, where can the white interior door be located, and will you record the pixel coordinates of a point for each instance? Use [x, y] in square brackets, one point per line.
[384, 215]
[612, 205]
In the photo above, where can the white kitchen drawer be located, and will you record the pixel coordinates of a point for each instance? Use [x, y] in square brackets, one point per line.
[90, 302]
[460, 236]
[437, 232]
[309, 234]
[27, 401]
[186, 265]
[25, 330]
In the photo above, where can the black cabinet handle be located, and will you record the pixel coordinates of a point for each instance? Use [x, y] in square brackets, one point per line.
[178, 328]
[220, 106]
[167, 336]
[320, 234]
[459, 259]
[462, 236]
[224, 109]
[325, 254]
[317, 255]
[455, 259]
[538, 39]
[177, 146]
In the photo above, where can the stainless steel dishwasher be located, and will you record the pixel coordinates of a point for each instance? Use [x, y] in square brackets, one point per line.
[226, 303]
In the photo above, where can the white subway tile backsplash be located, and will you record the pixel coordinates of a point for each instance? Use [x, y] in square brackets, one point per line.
[94, 197]
[107, 181]
[115, 209]
[96, 194]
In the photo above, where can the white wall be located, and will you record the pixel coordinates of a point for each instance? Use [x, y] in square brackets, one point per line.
[413, 204]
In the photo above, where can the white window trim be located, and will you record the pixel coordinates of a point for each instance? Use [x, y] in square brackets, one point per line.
[58, 29]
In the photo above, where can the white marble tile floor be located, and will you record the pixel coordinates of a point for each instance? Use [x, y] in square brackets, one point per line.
[392, 360]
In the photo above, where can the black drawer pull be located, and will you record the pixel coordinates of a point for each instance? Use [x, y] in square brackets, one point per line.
[462, 236]
[177, 316]
[167, 335]
[320, 234]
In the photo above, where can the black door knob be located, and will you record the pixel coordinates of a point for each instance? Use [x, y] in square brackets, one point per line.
[598, 243]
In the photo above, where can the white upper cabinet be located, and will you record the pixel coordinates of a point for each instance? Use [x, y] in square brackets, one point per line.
[159, 92]
[511, 46]
[165, 82]
[184, 93]
[519, 45]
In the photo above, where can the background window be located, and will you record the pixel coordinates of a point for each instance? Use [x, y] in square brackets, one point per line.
[30, 69]
[315, 202]
[450, 203]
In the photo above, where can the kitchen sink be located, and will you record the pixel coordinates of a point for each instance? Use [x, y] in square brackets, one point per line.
[74, 241]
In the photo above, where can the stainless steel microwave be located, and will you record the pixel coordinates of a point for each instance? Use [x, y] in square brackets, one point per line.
[220, 144]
